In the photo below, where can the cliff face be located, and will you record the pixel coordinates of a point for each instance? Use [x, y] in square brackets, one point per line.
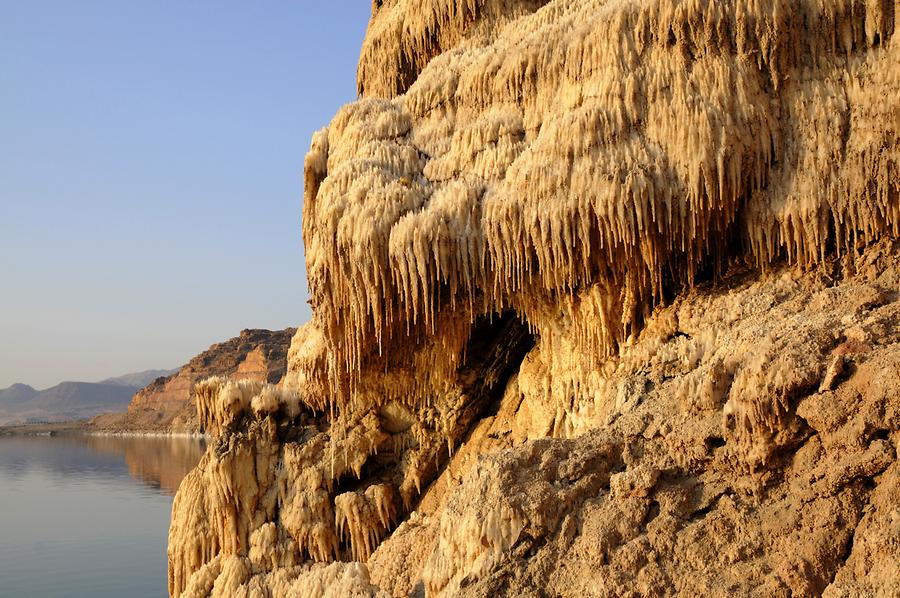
[167, 404]
[605, 300]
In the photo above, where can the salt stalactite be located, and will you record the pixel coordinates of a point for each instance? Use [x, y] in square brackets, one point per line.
[272, 491]
[221, 403]
[364, 518]
[400, 42]
[222, 501]
[579, 164]
[308, 347]
[618, 148]
[227, 577]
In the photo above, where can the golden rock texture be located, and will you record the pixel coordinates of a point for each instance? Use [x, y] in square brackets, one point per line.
[605, 302]
[168, 405]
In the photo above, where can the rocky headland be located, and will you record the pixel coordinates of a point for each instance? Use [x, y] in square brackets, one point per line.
[168, 406]
[606, 302]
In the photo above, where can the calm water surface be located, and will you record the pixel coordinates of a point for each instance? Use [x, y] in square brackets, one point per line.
[88, 515]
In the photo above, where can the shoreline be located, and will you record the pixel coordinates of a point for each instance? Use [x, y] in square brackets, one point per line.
[44, 429]
[84, 427]
[148, 433]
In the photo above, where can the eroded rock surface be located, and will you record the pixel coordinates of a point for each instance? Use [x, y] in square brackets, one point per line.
[605, 302]
[677, 480]
[167, 404]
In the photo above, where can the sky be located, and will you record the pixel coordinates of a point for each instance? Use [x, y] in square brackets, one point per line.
[151, 174]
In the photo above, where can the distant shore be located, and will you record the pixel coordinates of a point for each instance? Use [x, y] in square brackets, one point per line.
[148, 433]
[85, 427]
[48, 429]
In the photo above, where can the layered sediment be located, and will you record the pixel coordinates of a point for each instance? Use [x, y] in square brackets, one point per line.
[605, 301]
[168, 404]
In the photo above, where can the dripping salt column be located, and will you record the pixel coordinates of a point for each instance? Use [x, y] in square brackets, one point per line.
[576, 163]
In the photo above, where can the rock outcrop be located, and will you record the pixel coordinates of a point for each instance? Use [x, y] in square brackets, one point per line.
[605, 302]
[167, 404]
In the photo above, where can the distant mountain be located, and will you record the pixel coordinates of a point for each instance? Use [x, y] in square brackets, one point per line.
[16, 394]
[138, 379]
[67, 401]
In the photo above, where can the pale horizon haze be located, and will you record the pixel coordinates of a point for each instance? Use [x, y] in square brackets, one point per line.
[151, 175]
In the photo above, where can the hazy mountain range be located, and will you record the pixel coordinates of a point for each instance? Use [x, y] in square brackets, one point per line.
[139, 379]
[20, 403]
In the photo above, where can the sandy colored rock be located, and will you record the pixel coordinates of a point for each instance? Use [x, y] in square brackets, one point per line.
[656, 494]
[605, 303]
[168, 404]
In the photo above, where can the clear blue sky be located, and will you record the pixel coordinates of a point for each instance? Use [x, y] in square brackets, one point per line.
[151, 174]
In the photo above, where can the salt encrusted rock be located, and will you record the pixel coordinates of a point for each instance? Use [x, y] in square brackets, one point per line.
[663, 234]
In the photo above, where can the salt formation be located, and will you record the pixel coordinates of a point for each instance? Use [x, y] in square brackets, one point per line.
[168, 404]
[595, 156]
[661, 233]
[284, 483]
[654, 485]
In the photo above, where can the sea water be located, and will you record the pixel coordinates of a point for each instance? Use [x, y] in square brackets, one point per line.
[88, 515]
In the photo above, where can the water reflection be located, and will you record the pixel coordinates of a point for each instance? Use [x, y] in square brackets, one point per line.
[158, 462]
[88, 515]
